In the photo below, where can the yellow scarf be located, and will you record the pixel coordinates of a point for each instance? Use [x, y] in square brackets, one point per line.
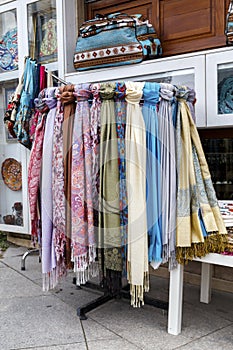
[200, 227]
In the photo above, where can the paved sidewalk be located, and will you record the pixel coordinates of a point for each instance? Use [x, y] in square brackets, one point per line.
[32, 319]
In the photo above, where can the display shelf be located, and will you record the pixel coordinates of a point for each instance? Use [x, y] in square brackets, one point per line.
[13, 202]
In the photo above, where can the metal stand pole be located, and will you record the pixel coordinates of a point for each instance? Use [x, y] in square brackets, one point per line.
[25, 255]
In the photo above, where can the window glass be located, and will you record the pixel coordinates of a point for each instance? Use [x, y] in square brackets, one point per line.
[225, 89]
[219, 155]
[42, 31]
[8, 41]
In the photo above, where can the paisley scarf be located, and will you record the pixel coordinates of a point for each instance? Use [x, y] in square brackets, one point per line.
[82, 237]
[168, 167]
[153, 173]
[200, 227]
[58, 190]
[138, 275]
[95, 146]
[67, 99]
[34, 167]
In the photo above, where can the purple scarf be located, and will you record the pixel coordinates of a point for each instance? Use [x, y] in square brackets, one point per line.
[82, 234]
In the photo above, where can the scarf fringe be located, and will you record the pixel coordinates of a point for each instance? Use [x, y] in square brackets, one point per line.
[83, 276]
[137, 292]
[214, 243]
[50, 280]
[85, 265]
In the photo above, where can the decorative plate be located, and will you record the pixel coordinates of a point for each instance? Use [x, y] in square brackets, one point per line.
[9, 50]
[12, 174]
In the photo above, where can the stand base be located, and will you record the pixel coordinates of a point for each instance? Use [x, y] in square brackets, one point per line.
[82, 310]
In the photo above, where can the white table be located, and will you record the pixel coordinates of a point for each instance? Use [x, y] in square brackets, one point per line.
[176, 287]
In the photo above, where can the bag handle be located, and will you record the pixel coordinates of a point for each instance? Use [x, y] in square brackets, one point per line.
[89, 28]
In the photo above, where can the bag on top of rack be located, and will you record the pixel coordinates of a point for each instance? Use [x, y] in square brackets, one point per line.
[114, 40]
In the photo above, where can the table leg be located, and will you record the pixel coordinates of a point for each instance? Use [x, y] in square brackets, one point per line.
[206, 278]
[175, 300]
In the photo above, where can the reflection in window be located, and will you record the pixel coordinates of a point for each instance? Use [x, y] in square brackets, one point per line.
[225, 90]
[8, 41]
[219, 156]
[42, 31]
[177, 80]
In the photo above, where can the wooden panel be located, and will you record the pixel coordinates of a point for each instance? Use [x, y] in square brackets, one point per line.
[144, 7]
[182, 25]
[181, 19]
[187, 26]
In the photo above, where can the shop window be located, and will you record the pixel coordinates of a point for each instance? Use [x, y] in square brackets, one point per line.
[42, 24]
[218, 148]
[225, 88]
[8, 41]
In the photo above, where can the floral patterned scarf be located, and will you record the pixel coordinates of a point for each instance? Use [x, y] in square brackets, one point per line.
[82, 234]
[34, 168]
[58, 190]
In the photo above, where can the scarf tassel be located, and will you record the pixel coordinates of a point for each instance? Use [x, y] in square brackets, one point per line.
[50, 280]
[214, 243]
[85, 266]
[137, 292]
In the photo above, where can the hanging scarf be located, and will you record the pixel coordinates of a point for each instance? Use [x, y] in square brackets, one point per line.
[83, 238]
[138, 275]
[34, 167]
[25, 109]
[68, 101]
[34, 118]
[200, 227]
[58, 190]
[48, 257]
[109, 213]
[95, 145]
[168, 167]
[153, 173]
[120, 111]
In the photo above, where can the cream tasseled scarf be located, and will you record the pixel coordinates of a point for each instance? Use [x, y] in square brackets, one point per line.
[135, 140]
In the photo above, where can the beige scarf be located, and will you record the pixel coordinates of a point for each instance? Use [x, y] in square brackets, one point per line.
[197, 205]
[135, 140]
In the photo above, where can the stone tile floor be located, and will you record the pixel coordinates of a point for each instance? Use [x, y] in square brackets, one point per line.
[33, 319]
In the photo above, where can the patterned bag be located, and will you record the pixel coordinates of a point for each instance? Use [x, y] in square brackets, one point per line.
[148, 38]
[112, 40]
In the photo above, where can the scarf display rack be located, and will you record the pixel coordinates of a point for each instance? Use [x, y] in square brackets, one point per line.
[116, 186]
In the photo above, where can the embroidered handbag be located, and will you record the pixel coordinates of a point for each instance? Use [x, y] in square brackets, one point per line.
[112, 40]
[229, 25]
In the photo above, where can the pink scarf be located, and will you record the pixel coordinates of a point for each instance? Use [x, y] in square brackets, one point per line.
[34, 168]
[83, 238]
